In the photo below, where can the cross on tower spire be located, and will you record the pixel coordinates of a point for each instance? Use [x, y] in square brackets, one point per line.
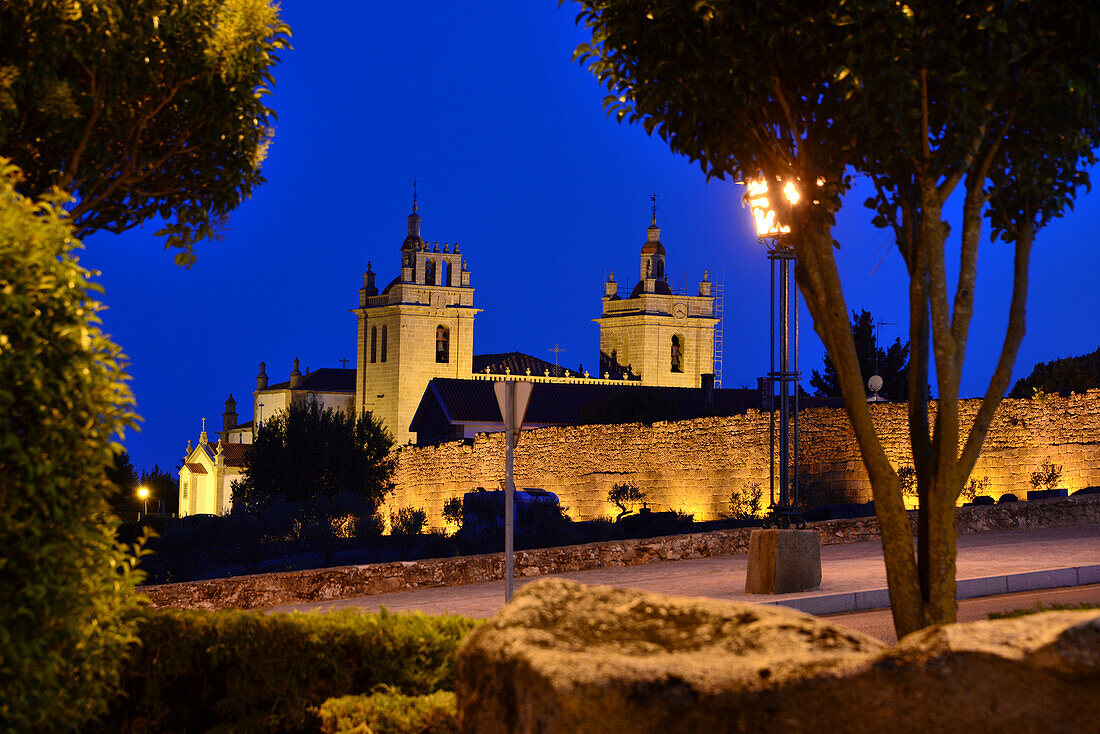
[414, 196]
[653, 206]
[556, 350]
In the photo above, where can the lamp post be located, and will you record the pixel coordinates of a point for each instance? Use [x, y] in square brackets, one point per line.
[770, 233]
[143, 495]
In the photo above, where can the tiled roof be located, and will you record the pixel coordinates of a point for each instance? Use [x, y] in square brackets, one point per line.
[473, 401]
[518, 363]
[195, 467]
[234, 452]
[325, 379]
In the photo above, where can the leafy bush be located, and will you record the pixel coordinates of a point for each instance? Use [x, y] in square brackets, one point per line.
[745, 504]
[1047, 477]
[65, 584]
[408, 521]
[908, 477]
[390, 712]
[974, 488]
[254, 672]
[452, 512]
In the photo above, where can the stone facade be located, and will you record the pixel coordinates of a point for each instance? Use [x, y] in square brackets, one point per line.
[661, 337]
[323, 584]
[420, 326]
[692, 466]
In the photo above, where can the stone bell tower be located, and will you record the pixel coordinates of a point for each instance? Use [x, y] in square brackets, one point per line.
[420, 326]
[656, 335]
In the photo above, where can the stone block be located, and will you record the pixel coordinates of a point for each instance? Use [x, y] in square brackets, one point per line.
[783, 561]
[563, 657]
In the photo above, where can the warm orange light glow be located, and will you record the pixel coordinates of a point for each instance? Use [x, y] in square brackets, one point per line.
[763, 215]
[143, 492]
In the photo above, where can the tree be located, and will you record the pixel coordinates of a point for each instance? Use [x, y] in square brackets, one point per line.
[308, 452]
[1076, 374]
[995, 100]
[125, 481]
[141, 109]
[891, 364]
[163, 487]
[625, 496]
[68, 614]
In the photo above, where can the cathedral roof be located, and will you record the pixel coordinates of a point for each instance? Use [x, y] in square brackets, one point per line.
[518, 363]
[325, 379]
[470, 401]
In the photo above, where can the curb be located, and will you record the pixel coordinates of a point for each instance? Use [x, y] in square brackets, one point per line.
[866, 600]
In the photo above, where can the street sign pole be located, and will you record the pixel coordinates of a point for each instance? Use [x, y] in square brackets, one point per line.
[512, 398]
[509, 486]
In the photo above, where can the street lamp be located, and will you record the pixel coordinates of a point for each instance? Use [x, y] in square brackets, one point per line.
[770, 232]
[143, 495]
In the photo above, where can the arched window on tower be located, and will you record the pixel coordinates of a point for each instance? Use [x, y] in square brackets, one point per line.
[677, 354]
[442, 344]
[373, 344]
[446, 273]
[384, 340]
[429, 272]
[658, 269]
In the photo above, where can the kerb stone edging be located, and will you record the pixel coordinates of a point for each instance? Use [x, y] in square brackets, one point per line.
[328, 584]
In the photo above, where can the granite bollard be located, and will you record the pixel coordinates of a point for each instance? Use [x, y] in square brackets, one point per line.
[783, 561]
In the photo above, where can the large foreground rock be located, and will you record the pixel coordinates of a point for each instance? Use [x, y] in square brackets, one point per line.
[564, 657]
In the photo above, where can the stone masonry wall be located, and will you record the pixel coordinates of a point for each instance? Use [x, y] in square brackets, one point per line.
[692, 466]
[342, 582]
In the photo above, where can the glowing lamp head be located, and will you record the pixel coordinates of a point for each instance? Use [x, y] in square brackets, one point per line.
[143, 492]
[762, 213]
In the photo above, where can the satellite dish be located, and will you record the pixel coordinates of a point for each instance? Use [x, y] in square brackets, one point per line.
[875, 383]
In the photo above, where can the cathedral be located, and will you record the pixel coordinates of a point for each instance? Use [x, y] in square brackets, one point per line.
[418, 331]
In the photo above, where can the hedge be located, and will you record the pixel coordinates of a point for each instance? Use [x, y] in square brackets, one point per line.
[390, 712]
[255, 672]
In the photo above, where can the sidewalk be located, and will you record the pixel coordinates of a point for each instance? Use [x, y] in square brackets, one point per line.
[853, 577]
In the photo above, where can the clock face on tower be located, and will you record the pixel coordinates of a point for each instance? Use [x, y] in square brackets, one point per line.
[680, 311]
[437, 300]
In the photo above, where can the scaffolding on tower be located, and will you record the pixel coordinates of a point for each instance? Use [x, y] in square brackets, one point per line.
[719, 313]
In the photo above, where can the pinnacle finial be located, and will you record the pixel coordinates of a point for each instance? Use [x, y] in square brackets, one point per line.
[414, 196]
[653, 206]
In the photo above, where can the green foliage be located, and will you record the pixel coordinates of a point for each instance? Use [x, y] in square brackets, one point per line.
[306, 453]
[625, 497]
[255, 672]
[1069, 374]
[122, 475]
[452, 512]
[408, 521]
[975, 488]
[745, 504]
[163, 487]
[142, 109]
[1047, 477]
[390, 712]
[891, 364]
[66, 585]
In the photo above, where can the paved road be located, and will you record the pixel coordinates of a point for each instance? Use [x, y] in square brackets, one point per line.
[880, 624]
[844, 568]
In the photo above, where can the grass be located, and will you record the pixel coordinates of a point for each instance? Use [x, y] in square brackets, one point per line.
[1040, 607]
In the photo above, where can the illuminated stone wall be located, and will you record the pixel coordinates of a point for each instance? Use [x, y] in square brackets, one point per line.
[693, 465]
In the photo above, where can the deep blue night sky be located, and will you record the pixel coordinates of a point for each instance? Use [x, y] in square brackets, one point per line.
[518, 164]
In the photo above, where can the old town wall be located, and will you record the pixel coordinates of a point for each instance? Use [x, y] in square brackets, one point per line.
[692, 466]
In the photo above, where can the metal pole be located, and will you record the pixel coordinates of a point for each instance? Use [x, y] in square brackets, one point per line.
[796, 384]
[509, 487]
[784, 379]
[771, 390]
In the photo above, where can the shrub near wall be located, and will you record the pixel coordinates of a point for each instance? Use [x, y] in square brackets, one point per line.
[252, 672]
